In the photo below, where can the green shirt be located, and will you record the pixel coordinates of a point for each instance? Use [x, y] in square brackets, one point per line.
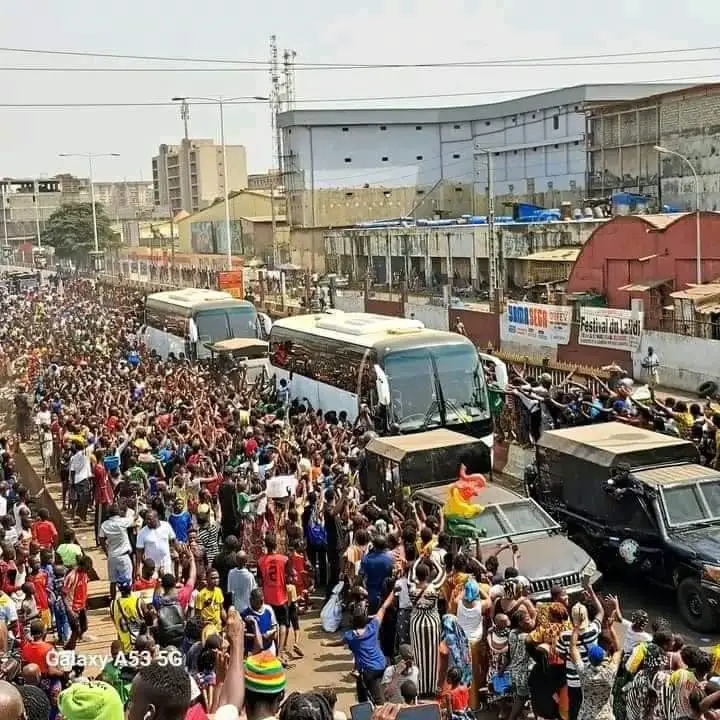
[243, 503]
[111, 674]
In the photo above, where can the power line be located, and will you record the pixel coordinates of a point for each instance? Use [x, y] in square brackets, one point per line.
[373, 98]
[346, 66]
[300, 66]
[448, 66]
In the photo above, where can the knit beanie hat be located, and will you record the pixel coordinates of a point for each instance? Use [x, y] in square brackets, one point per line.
[91, 701]
[264, 674]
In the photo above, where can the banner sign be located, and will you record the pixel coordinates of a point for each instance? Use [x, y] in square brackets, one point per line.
[537, 324]
[231, 281]
[610, 328]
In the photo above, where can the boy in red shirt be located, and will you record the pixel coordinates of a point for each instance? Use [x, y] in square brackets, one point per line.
[75, 588]
[39, 581]
[147, 583]
[44, 532]
[276, 574]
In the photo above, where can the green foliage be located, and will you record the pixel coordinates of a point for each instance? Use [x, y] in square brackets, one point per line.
[70, 230]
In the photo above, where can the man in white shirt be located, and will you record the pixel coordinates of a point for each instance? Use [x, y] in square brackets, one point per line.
[241, 582]
[154, 541]
[80, 471]
[3, 498]
[651, 367]
[113, 537]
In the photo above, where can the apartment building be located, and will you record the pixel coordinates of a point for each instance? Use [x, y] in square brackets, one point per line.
[191, 175]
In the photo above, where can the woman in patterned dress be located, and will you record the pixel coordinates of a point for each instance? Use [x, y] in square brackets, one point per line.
[596, 679]
[425, 623]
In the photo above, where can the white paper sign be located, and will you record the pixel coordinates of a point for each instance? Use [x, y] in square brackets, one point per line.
[281, 486]
[610, 328]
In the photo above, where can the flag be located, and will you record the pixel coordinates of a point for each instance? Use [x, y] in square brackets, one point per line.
[459, 510]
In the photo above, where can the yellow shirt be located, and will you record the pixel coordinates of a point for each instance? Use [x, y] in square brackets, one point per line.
[208, 604]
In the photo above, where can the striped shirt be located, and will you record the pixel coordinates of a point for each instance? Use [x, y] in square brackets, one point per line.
[586, 638]
[209, 538]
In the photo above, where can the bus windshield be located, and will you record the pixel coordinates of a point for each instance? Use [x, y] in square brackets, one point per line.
[243, 322]
[212, 325]
[414, 376]
[224, 323]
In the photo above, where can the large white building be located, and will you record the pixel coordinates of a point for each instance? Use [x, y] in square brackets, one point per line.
[537, 144]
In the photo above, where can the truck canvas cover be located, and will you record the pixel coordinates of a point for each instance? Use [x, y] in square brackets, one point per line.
[575, 463]
[611, 444]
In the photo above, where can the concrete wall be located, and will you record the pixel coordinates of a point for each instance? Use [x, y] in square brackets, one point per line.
[306, 248]
[690, 124]
[535, 149]
[685, 362]
[350, 301]
[433, 316]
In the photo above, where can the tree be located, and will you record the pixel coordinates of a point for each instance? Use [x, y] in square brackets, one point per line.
[70, 231]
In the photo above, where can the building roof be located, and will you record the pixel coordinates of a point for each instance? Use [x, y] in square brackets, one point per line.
[561, 254]
[661, 221]
[681, 90]
[580, 94]
[697, 292]
[264, 219]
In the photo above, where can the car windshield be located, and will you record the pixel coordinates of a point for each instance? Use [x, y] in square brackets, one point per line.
[243, 322]
[692, 504]
[513, 519]
[412, 376]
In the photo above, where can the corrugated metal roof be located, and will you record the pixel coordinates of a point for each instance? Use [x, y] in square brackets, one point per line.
[555, 255]
[708, 309]
[644, 285]
[697, 292]
[662, 221]
[264, 218]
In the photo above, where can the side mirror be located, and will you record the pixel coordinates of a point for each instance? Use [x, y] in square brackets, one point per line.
[382, 386]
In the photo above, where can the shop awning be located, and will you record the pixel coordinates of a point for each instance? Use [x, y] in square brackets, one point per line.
[708, 309]
[645, 285]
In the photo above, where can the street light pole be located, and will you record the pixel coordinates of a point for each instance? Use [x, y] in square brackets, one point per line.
[226, 188]
[220, 102]
[92, 202]
[89, 157]
[698, 240]
[493, 280]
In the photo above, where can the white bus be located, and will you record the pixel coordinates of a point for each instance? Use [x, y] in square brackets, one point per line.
[184, 321]
[412, 378]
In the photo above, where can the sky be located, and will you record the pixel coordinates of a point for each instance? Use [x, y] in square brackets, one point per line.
[320, 32]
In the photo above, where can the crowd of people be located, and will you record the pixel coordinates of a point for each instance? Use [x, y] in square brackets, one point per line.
[227, 514]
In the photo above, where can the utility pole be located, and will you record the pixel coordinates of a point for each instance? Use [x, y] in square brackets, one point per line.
[36, 198]
[275, 100]
[185, 116]
[494, 279]
[6, 245]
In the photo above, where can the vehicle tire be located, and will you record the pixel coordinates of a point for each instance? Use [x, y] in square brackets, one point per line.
[694, 607]
[708, 389]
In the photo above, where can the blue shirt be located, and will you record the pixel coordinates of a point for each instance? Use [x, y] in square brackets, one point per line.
[181, 524]
[366, 647]
[266, 621]
[376, 567]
